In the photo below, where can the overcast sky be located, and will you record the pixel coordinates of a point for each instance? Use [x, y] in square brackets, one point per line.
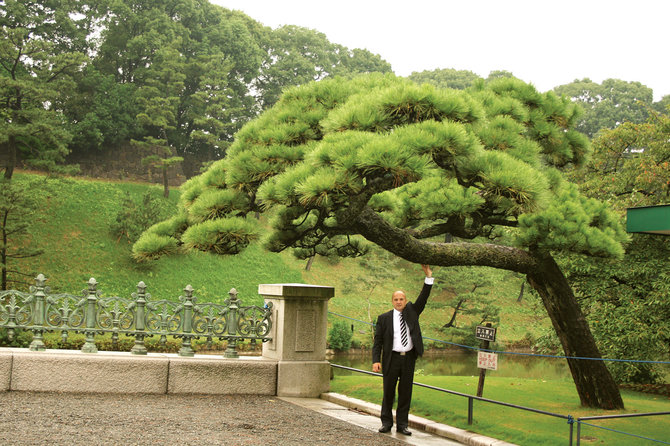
[546, 43]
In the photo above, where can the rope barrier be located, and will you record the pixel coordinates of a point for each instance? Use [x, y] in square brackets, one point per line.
[501, 352]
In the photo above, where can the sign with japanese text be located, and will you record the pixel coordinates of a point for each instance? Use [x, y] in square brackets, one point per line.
[487, 360]
[485, 333]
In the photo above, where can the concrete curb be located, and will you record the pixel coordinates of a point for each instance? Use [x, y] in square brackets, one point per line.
[442, 430]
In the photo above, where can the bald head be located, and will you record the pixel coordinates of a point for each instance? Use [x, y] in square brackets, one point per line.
[399, 300]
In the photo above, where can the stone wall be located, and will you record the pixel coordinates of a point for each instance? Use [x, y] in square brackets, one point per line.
[124, 164]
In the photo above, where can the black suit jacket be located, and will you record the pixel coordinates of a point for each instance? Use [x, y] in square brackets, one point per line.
[383, 343]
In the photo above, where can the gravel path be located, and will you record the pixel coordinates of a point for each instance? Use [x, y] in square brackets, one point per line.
[112, 419]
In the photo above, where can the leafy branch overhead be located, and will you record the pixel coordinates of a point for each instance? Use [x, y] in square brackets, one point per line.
[385, 158]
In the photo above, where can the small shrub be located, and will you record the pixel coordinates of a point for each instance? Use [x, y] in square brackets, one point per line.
[21, 339]
[134, 218]
[339, 336]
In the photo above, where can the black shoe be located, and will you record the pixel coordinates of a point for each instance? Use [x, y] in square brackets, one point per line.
[384, 429]
[403, 430]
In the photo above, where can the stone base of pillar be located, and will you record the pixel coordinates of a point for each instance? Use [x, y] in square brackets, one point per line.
[303, 379]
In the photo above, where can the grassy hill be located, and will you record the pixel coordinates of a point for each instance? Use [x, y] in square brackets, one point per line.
[73, 228]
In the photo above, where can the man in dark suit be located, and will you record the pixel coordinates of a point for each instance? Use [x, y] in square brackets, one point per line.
[397, 344]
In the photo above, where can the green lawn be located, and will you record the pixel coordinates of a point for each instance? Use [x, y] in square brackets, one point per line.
[518, 426]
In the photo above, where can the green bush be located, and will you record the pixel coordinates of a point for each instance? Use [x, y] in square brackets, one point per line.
[21, 339]
[339, 336]
[134, 218]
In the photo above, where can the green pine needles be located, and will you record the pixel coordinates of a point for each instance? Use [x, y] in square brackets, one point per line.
[456, 161]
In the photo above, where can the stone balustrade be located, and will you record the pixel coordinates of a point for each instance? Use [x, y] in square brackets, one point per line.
[292, 326]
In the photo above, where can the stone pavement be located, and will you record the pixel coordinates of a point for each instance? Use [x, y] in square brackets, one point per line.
[366, 415]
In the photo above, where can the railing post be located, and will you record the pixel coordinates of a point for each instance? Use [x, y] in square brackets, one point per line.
[91, 310]
[470, 409]
[11, 318]
[140, 303]
[233, 307]
[37, 345]
[187, 328]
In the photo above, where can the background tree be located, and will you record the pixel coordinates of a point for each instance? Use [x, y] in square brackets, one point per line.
[608, 104]
[230, 65]
[135, 217]
[297, 55]
[446, 78]
[663, 105]
[499, 74]
[210, 50]
[18, 206]
[159, 100]
[402, 165]
[472, 303]
[339, 336]
[626, 301]
[42, 45]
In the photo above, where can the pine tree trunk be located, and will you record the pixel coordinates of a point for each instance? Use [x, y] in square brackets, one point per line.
[10, 162]
[309, 263]
[166, 186]
[3, 251]
[595, 385]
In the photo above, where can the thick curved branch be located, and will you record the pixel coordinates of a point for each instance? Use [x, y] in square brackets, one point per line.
[377, 230]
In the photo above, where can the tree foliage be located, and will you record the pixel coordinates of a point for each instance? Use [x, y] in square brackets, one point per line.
[446, 78]
[400, 165]
[195, 70]
[42, 46]
[182, 67]
[297, 55]
[608, 104]
[339, 336]
[627, 300]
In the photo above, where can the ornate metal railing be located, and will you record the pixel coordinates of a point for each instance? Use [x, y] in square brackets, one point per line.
[138, 316]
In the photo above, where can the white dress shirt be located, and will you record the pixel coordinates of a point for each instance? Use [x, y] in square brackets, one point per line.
[397, 342]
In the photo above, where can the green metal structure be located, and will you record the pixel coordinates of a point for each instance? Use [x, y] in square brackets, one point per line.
[138, 316]
[649, 219]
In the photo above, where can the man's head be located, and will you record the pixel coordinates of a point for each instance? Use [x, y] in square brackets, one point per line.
[399, 300]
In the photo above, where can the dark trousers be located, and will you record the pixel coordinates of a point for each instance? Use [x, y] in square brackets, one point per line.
[400, 373]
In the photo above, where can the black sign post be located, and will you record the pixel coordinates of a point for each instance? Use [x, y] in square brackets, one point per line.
[486, 334]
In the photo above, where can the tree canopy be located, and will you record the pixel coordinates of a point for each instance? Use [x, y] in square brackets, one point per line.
[89, 76]
[446, 78]
[380, 159]
[408, 157]
[608, 104]
[42, 45]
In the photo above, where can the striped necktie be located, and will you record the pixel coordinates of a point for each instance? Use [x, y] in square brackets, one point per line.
[403, 331]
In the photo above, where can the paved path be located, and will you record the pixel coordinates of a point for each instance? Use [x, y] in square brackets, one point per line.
[370, 422]
[72, 419]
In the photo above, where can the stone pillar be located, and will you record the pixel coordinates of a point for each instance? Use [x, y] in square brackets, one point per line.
[299, 328]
